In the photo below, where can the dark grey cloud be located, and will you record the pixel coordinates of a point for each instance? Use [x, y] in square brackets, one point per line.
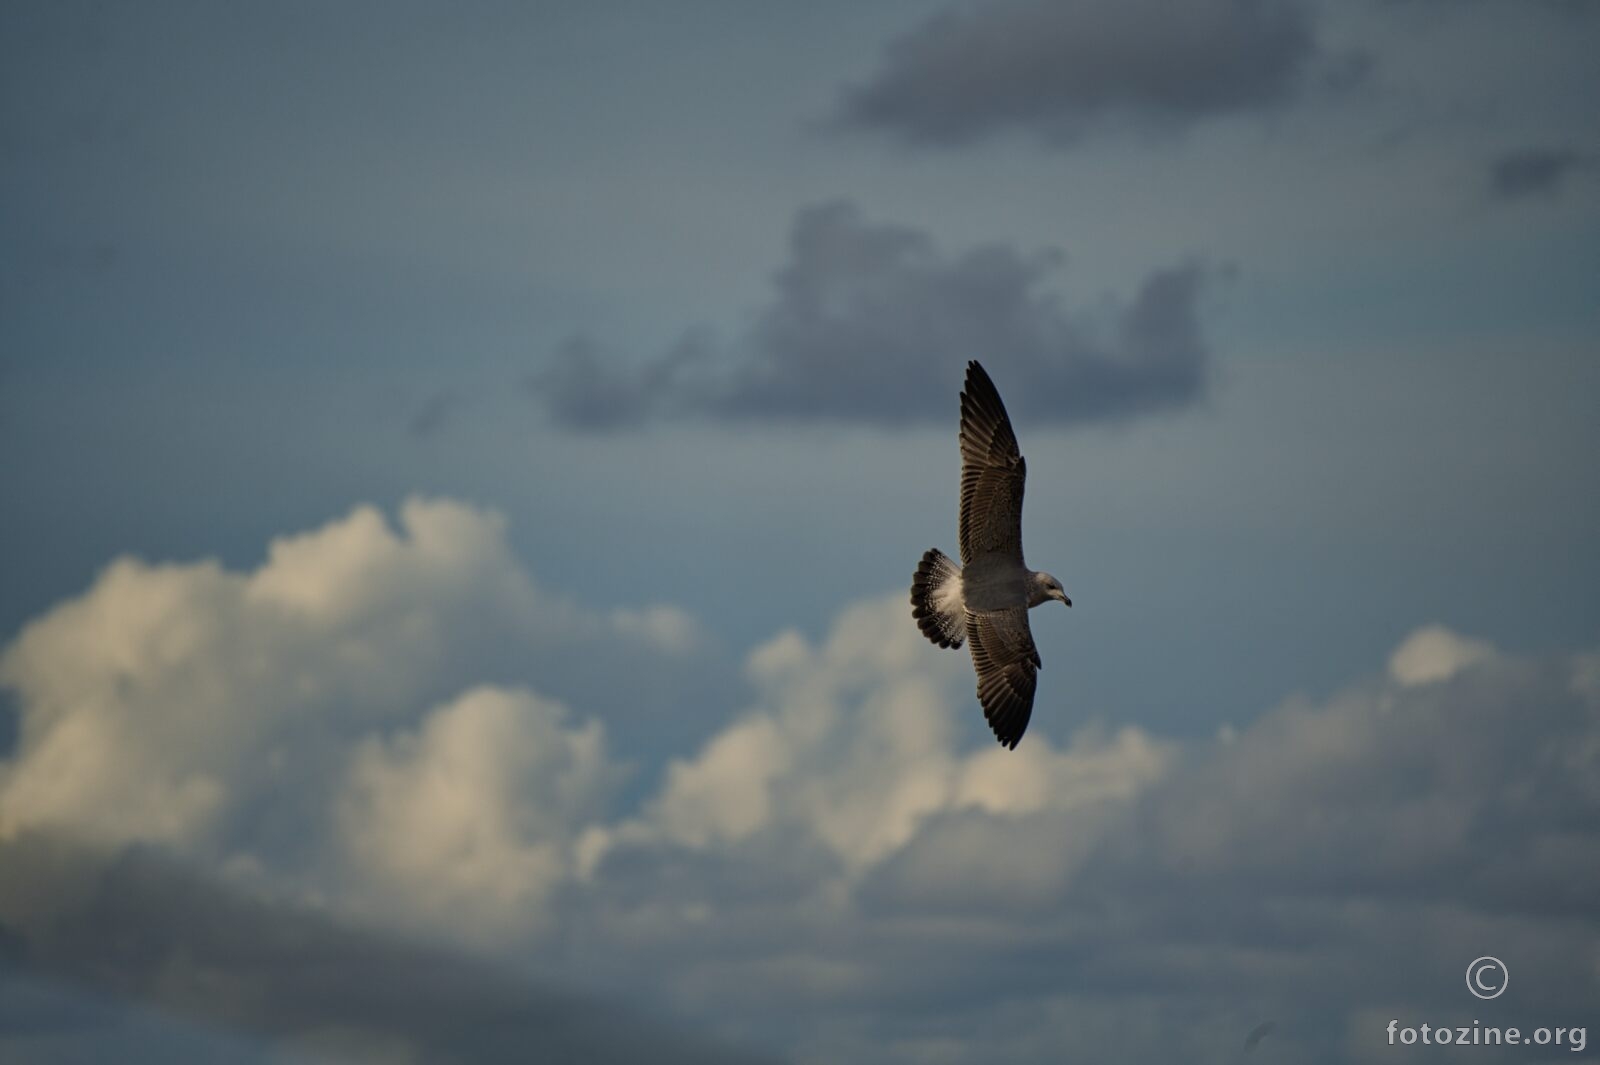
[583, 387]
[871, 323]
[1059, 70]
[43, 1022]
[1531, 172]
[134, 927]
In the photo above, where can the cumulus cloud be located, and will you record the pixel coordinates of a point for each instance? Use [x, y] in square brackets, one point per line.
[872, 323]
[478, 810]
[852, 747]
[386, 674]
[844, 867]
[853, 759]
[1325, 864]
[1059, 71]
[1434, 653]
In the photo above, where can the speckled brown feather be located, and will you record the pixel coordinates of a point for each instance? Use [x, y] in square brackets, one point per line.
[1007, 664]
[992, 473]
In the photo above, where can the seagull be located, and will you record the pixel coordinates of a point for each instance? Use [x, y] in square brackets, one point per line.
[985, 600]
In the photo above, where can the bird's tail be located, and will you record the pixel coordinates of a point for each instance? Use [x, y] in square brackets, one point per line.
[936, 600]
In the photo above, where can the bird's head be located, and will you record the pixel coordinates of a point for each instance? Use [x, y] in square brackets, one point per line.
[1046, 588]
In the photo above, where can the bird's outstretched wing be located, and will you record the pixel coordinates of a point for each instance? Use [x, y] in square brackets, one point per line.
[992, 473]
[1007, 664]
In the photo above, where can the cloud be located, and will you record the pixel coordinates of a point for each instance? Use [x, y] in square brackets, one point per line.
[1434, 653]
[289, 984]
[871, 323]
[479, 809]
[844, 866]
[1060, 71]
[585, 390]
[853, 745]
[362, 670]
[1533, 172]
[835, 853]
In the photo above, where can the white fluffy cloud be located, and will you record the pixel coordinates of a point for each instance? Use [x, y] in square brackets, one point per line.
[399, 724]
[478, 811]
[1435, 653]
[347, 681]
[852, 742]
[330, 724]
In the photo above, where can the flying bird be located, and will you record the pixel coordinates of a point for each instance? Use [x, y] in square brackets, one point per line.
[985, 600]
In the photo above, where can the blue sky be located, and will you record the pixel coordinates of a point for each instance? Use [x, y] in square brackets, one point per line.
[482, 383]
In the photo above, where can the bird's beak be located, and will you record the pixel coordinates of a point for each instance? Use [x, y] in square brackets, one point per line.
[1064, 599]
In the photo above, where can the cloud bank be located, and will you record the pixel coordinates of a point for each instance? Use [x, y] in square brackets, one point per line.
[871, 323]
[288, 983]
[1059, 71]
[361, 674]
[842, 868]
